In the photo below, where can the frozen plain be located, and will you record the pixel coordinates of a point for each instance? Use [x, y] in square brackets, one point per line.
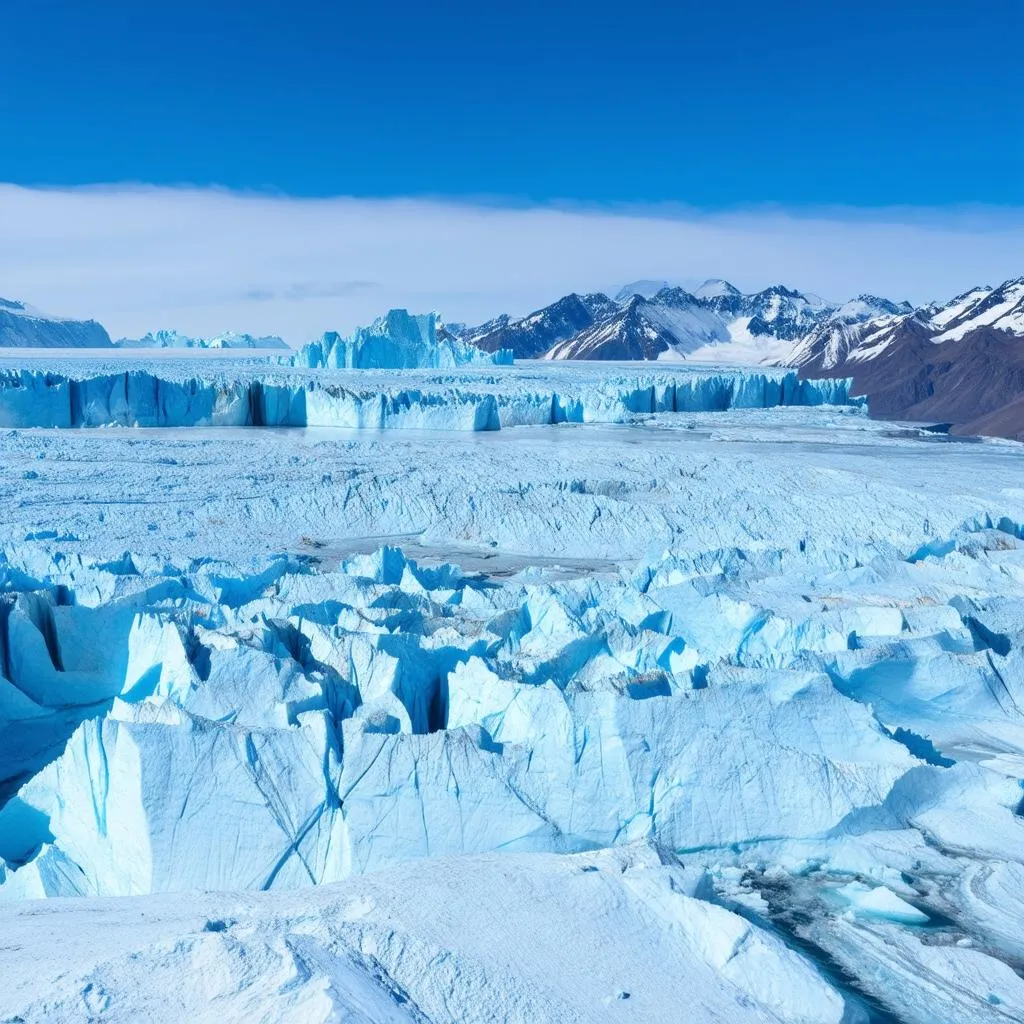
[716, 710]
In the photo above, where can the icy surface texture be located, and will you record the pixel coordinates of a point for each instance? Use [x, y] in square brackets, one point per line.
[106, 394]
[398, 341]
[729, 703]
[503, 939]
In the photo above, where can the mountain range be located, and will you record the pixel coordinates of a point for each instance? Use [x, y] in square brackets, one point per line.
[959, 362]
[714, 323]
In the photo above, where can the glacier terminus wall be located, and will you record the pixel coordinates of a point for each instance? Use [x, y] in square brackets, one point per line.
[173, 395]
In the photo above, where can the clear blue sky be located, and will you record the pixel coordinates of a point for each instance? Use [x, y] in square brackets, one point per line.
[718, 104]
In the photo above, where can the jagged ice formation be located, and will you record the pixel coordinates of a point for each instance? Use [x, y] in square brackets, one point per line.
[726, 703]
[399, 341]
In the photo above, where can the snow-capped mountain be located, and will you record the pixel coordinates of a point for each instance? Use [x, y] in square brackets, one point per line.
[842, 340]
[532, 336]
[836, 344]
[869, 307]
[777, 312]
[670, 325]
[646, 289]
[958, 362]
[1001, 308]
[954, 361]
[230, 339]
[24, 326]
[716, 288]
[631, 332]
[838, 339]
[714, 323]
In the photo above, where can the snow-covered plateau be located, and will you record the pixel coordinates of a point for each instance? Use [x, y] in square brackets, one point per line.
[683, 695]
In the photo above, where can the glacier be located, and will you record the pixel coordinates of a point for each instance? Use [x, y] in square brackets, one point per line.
[254, 393]
[640, 682]
[397, 340]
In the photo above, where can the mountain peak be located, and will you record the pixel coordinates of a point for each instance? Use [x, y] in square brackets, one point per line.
[716, 288]
[781, 289]
[675, 296]
[646, 288]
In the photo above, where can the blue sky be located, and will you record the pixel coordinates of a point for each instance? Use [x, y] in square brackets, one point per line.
[292, 167]
[713, 105]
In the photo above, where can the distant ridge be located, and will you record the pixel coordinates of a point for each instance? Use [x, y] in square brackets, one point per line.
[24, 326]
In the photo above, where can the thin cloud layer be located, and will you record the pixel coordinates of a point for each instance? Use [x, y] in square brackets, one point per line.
[206, 260]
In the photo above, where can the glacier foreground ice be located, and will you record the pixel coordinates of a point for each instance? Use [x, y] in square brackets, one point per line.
[726, 703]
[606, 936]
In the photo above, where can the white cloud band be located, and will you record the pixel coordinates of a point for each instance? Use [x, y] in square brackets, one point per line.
[209, 260]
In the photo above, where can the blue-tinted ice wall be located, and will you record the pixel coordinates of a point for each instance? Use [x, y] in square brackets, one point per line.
[143, 398]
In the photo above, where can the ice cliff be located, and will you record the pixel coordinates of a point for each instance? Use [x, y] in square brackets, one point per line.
[175, 397]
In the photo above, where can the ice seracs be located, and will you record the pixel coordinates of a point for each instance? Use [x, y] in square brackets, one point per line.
[822, 736]
[396, 341]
